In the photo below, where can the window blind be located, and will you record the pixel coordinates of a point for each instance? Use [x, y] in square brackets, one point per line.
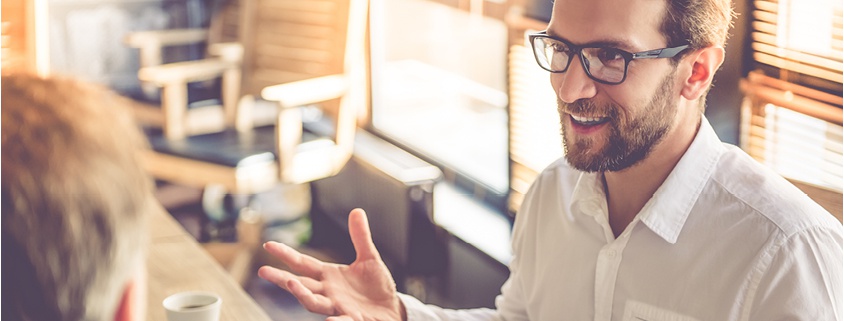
[800, 36]
[535, 138]
[792, 116]
[793, 129]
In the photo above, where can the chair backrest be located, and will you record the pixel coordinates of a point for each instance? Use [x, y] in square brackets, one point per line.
[291, 40]
[226, 21]
[220, 40]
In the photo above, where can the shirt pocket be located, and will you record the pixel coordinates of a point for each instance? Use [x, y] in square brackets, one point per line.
[638, 311]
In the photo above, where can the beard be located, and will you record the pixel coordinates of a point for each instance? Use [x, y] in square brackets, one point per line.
[632, 136]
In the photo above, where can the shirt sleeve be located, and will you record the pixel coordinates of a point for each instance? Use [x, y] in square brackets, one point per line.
[418, 311]
[804, 279]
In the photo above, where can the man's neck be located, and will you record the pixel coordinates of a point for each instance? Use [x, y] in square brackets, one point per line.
[630, 189]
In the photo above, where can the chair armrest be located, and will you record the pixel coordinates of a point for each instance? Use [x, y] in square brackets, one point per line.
[228, 51]
[150, 44]
[185, 72]
[304, 92]
[163, 38]
[304, 162]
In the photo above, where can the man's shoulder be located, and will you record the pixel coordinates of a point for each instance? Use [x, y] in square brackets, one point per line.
[748, 184]
[557, 181]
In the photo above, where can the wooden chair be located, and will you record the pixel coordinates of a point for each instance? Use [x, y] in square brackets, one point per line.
[295, 53]
[296, 56]
[174, 83]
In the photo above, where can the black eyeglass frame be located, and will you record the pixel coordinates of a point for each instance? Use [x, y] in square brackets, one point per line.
[669, 52]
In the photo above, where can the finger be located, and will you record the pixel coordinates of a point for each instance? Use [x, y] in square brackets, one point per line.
[313, 302]
[280, 278]
[361, 236]
[298, 262]
[340, 318]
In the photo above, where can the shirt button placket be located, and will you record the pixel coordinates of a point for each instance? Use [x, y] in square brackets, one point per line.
[606, 271]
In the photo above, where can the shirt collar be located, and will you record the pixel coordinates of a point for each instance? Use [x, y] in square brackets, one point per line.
[666, 212]
[588, 196]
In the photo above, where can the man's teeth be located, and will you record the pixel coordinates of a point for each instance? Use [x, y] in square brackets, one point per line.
[581, 119]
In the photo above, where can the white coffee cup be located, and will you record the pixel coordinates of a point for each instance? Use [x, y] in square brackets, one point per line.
[193, 306]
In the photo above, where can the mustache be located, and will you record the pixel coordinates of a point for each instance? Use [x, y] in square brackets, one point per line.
[587, 107]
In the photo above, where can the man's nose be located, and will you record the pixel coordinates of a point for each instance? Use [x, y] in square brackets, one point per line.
[573, 84]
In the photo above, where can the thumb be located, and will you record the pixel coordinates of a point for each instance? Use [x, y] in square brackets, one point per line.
[361, 236]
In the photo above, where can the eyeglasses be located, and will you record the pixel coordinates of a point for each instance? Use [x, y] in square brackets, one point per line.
[603, 64]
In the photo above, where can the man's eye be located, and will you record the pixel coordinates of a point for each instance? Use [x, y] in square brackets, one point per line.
[607, 55]
[559, 47]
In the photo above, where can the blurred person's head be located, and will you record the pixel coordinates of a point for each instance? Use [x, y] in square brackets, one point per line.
[74, 199]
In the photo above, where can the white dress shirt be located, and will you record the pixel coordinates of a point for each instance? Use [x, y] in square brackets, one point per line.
[722, 239]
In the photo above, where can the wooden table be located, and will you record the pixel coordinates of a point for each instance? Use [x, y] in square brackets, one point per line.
[176, 263]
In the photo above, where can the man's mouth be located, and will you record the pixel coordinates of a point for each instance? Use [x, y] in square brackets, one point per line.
[589, 121]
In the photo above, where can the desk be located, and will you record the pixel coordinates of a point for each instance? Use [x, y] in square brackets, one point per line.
[177, 263]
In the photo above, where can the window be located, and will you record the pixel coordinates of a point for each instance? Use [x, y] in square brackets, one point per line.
[801, 39]
[792, 114]
[439, 87]
[535, 134]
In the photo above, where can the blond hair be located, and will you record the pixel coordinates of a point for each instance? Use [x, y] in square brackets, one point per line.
[74, 198]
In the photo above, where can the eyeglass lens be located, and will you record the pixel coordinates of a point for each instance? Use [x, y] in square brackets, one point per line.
[606, 64]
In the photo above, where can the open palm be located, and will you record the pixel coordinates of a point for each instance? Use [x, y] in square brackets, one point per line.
[364, 290]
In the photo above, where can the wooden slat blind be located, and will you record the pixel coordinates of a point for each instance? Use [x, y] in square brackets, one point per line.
[535, 139]
[794, 130]
[802, 36]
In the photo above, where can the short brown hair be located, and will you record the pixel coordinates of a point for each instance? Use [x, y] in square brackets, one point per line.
[74, 199]
[698, 23]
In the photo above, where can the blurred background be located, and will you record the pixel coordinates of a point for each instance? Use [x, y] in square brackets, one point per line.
[452, 118]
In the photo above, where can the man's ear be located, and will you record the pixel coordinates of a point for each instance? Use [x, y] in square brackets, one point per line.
[704, 63]
[127, 309]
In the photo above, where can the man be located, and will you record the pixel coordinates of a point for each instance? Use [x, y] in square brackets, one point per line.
[649, 216]
[73, 202]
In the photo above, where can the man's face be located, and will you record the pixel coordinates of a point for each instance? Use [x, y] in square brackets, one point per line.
[612, 127]
[627, 138]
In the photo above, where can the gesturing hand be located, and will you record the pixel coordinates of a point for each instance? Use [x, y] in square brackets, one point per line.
[364, 290]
